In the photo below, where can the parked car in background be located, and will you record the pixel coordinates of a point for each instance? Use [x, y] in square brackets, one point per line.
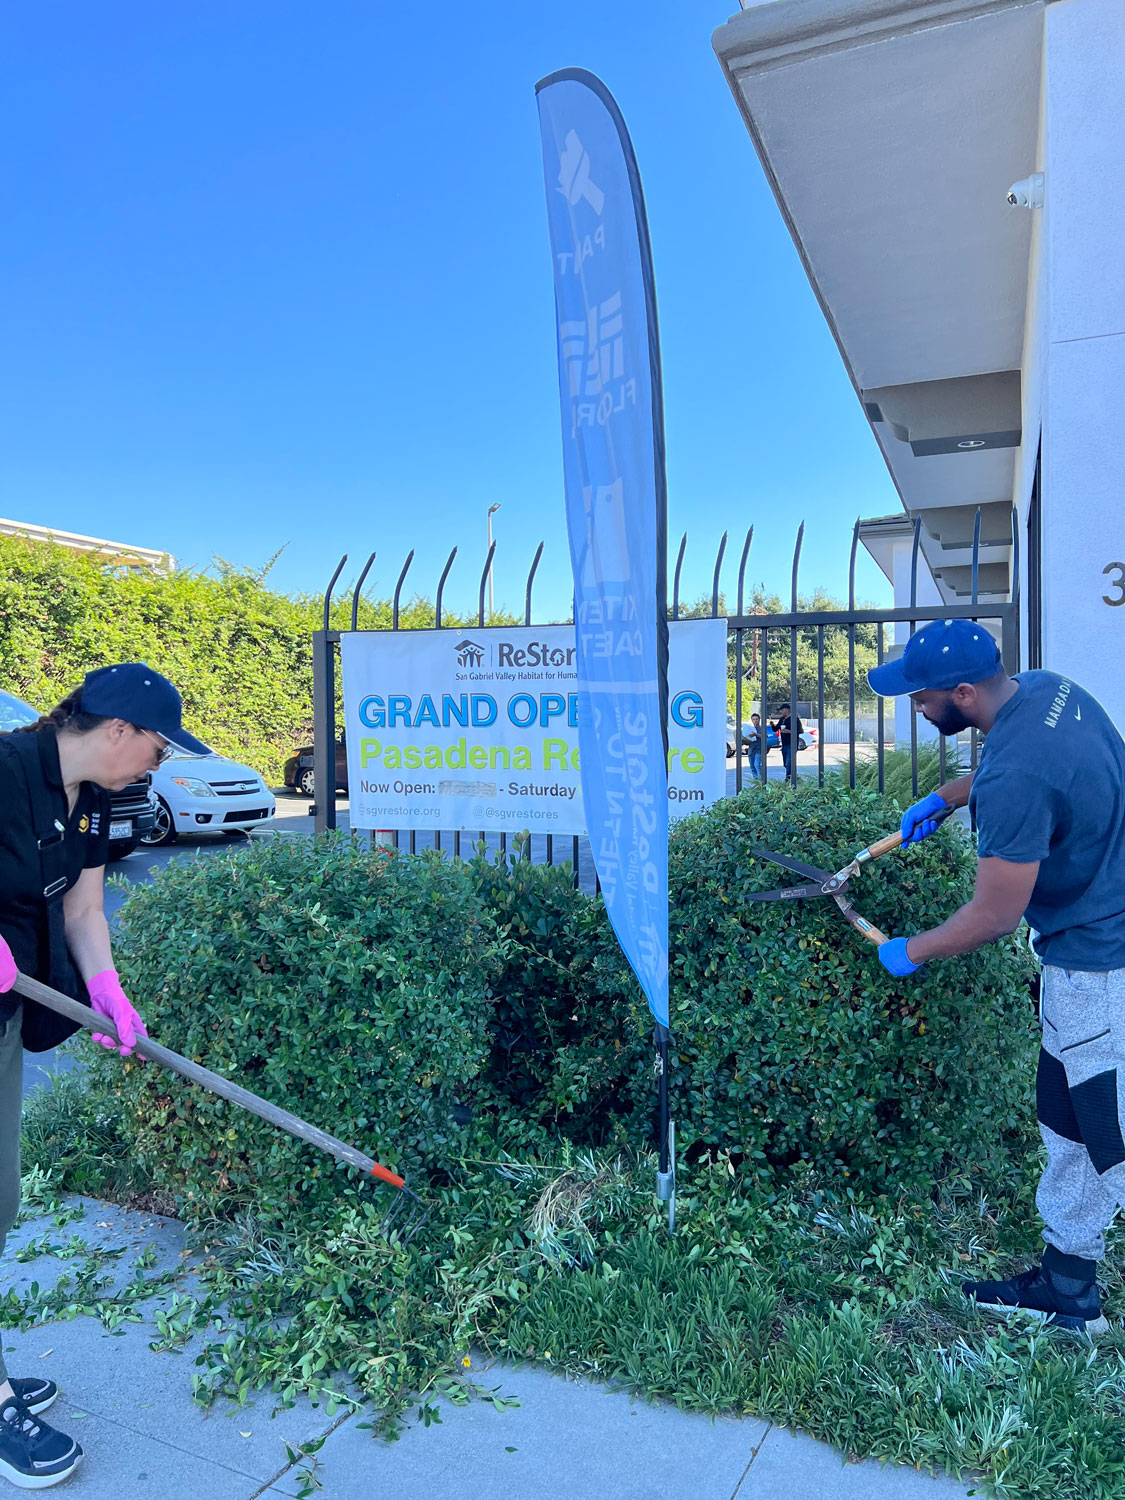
[207, 794]
[131, 814]
[298, 772]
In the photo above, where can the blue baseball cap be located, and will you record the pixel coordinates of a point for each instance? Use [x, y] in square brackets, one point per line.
[937, 657]
[134, 692]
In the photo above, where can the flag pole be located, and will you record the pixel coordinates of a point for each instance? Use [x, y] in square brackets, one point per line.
[666, 1171]
[666, 1137]
[615, 484]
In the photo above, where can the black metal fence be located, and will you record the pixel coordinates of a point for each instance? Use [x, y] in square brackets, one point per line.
[752, 639]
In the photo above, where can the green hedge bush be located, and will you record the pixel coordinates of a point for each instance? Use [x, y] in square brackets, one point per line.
[567, 1013]
[795, 1048]
[350, 987]
[373, 993]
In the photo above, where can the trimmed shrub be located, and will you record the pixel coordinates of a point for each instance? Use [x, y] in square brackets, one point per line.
[564, 999]
[350, 987]
[795, 1048]
[373, 994]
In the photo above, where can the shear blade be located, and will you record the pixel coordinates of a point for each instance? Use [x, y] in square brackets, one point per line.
[798, 866]
[786, 893]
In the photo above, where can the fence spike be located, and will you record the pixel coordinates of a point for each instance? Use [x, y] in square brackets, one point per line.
[484, 582]
[851, 562]
[331, 586]
[715, 579]
[441, 588]
[398, 588]
[976, 558]
[530, 581]
[358, 590]
[742, 566]
[796, 565]
[676, 578]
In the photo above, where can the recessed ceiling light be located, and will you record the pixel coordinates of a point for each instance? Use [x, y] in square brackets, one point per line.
[971, 443]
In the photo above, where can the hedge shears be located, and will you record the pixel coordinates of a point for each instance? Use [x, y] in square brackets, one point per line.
[833, 886]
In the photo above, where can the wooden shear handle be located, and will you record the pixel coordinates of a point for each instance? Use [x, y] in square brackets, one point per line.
[892, 841]
[882, 846]
[861, 924]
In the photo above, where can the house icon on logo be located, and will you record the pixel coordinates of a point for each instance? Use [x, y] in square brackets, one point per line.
[469, 654]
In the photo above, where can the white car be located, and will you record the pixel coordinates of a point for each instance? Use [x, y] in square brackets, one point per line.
[205, 794]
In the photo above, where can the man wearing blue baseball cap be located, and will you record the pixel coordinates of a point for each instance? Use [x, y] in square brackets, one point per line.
[54, 781]
[1048, 800]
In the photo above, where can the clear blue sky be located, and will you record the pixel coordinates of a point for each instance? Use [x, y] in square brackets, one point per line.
[278, 272]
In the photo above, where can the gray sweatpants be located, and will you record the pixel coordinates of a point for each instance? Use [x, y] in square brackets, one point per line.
[1080, 1094]
[11, 1090]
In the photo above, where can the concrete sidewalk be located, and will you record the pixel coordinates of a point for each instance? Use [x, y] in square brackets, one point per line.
[145, 1439]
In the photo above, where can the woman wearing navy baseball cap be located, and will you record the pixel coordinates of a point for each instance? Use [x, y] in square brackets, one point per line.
[54, 782]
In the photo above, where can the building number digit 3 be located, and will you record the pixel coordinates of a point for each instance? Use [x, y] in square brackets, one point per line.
[1118, 583]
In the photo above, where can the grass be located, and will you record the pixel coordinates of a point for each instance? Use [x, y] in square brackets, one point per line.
[807, 1307]
[849, 1323]
[64, 1129]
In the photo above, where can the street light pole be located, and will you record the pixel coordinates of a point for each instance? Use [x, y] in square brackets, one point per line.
[491, 606]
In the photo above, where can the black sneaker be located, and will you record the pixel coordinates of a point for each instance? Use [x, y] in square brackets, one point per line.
[32, 1455]
[36, 1395]
[1063, 1292]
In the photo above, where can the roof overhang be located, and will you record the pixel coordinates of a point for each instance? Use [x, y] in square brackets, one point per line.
[113, 554]
[890, 131]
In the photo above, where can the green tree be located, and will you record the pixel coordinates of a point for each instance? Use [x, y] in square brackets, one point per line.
[239, 652]
[778, 658]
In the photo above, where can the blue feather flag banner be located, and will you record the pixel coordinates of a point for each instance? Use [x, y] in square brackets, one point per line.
[616, 505]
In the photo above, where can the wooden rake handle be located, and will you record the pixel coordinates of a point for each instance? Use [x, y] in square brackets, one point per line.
[213, 1082]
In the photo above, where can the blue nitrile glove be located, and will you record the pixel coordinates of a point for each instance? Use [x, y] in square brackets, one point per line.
[895, 959]
[919, 821]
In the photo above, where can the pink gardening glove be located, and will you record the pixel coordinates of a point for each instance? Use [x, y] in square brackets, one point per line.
[110, 1000]
[8, 969]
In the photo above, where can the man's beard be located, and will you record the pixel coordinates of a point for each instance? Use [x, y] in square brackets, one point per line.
[951, 720]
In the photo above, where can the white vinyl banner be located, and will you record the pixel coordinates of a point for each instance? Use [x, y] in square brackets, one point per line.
[478, 729]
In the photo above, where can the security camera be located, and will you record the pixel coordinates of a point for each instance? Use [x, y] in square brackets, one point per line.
[1028, 193]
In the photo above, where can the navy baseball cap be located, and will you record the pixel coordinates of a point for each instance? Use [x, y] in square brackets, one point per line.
[937, 657]
[134, 692]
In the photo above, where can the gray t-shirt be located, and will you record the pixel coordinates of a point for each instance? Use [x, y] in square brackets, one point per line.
[1051, 787]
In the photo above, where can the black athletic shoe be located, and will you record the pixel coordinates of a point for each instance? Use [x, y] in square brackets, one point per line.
[36, 1395]
[1063, 1292]
[32, 1455]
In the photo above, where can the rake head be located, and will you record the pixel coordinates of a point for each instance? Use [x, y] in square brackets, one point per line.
[404, 1217]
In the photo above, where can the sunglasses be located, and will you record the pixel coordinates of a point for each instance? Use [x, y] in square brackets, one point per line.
[164, 751]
